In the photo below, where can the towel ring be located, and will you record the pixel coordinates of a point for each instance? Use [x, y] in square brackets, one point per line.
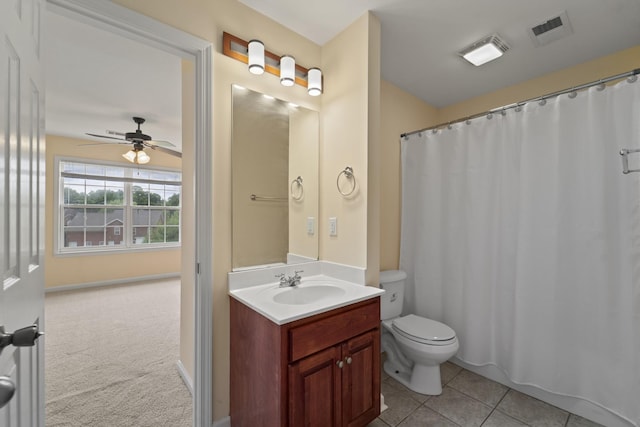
[348, 173]
[298, 181]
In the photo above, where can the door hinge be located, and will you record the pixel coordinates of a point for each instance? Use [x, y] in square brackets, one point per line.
[197, 268]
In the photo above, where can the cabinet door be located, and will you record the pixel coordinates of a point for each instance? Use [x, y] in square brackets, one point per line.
[361, 379]
[314, 390]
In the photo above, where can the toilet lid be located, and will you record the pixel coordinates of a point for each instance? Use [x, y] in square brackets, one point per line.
[423, 330]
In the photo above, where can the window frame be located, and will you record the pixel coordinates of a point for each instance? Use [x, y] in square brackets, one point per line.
[127, 226]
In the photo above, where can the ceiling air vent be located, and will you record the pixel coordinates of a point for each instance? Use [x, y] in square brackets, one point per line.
[551, 29]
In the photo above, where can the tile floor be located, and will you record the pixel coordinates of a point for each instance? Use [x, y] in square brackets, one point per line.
[468, 400]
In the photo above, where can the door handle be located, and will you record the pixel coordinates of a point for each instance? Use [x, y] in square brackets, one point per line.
[23, 337]
[7, 390]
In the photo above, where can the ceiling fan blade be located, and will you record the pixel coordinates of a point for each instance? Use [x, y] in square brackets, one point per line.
[164, 149]
[108, 137]
[103, 143]
[113, 132]
[161, 143]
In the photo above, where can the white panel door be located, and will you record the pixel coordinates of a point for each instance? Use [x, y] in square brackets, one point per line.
[22, 171]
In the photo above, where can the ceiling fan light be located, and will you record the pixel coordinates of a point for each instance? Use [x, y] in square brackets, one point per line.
[256, 57]
[287, 70]
[130, 155]
[142, 158]
[314, 81]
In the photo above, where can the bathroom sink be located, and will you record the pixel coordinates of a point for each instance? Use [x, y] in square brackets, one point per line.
[307, 294]
[315, 294]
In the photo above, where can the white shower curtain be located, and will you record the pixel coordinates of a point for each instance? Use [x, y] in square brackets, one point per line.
[523, 235]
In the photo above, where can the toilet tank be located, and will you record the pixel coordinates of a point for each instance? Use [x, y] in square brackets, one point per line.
[392, 281]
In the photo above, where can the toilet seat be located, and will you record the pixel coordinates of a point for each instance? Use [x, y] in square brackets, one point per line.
[423, 330]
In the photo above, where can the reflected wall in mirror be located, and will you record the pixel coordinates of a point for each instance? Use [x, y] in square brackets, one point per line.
[274, 174]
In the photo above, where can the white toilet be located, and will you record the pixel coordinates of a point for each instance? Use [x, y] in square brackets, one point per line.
[415, 346]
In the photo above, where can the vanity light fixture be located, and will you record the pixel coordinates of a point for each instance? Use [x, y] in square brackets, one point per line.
[259, 60]
[287, 70]
[485, 50]
[256, 56]
[314, 81]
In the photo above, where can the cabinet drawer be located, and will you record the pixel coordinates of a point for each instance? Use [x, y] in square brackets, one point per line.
[323, 333]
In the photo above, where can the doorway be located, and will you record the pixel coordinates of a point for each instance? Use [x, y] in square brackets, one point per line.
[117, 19]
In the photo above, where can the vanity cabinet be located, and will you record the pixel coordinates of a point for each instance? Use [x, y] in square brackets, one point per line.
[323, 370]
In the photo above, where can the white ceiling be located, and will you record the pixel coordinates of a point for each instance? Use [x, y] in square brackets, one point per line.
[98, 81]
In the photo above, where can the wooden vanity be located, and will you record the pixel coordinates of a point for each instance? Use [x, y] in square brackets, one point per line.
[319, 371]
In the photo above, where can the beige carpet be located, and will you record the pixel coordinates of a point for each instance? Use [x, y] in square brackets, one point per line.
[110, 357]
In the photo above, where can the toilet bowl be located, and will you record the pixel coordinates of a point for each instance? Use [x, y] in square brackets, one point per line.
[415, 346]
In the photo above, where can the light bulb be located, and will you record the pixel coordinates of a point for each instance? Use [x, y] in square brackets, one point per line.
[256, 57]
[287, 70]
[314, 81]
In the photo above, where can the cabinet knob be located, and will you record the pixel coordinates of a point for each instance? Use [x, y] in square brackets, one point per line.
[340, 364]
[349, 360]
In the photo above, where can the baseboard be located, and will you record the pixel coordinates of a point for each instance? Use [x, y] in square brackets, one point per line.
[222, 422]
[185, 376]
[581, 407]
[112, 282]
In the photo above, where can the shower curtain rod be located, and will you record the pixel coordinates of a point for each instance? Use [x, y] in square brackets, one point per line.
[632, 74]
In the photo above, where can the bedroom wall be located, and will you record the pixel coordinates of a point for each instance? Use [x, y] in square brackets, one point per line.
[63, 270]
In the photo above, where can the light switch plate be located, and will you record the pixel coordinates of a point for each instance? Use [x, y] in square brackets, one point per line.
[333, 226]
[311, 226]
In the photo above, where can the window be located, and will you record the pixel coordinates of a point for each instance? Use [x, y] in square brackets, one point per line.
[117, 207]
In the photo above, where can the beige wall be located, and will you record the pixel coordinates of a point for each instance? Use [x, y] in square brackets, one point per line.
[404, 113]
[374, 151]
[587, 72]
[304, 141]
[401, 112]
[90, 268]
[344, 133]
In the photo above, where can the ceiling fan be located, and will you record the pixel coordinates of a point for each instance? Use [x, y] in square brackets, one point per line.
[139, 141]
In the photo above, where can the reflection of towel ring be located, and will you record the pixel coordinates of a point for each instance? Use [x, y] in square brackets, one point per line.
[298, 181]
[348, 172]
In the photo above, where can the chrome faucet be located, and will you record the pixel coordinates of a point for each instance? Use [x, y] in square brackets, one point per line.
[286, 281]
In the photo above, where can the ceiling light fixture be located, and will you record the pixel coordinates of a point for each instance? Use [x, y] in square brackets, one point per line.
[256, 57]
[287, 70]
[137, 155]
[314, 81]
[485, 50]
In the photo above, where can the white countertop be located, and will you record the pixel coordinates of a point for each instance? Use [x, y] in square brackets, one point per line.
[327, 293]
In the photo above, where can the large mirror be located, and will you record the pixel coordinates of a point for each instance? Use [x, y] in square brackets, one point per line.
[274, 170]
